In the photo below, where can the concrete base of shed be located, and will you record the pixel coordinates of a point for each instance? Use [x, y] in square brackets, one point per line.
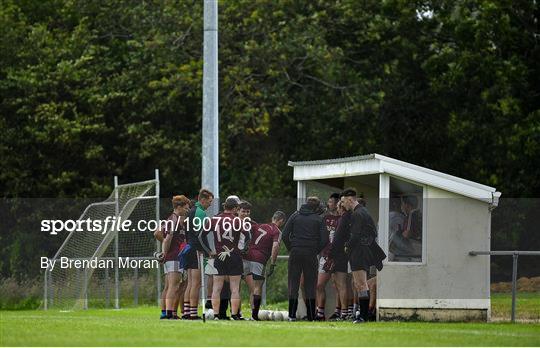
[433, 314]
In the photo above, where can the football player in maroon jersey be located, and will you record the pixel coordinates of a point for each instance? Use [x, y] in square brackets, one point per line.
[344, 306]
[331, 220]
[227, 256]
[173, 242]
[264, 245]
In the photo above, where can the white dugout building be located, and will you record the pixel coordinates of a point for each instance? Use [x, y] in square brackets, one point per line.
[429, 275]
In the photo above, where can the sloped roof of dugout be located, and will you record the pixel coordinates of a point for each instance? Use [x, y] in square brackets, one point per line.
[376, 164]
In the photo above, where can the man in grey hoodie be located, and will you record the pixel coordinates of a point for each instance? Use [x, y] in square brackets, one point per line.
[304, 236]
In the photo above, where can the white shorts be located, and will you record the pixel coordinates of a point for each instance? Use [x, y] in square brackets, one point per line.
[252, 267]
[322, 262]
[209, 269]
[172, 266]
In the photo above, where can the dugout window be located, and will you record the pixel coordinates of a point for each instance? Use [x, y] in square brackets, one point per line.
[406, 228]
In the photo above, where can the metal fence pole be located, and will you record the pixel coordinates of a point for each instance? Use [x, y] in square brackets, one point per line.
[515, 254]
[107, 289]
[263, 293]
[51, 289]
[85, 275]
[116, 260]
[45, 290]
[158, 244]
[514, 285]
[210, 102]
[202, 292]
[136, 287]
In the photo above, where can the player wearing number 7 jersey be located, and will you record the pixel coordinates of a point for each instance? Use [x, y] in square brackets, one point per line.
[226, 230]
[264, 244]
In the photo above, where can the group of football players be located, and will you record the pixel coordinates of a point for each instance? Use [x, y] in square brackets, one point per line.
[229, 247]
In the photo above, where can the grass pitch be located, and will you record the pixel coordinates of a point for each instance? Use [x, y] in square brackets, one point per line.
[141, 327]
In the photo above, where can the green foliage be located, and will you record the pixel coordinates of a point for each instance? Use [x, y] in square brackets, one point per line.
[92, 89]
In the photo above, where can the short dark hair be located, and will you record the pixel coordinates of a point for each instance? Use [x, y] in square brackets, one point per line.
[395, 203]
[205, 193]
[279, 215]
[335, 196]
[230, 203]
[313, 202]
[245, 205]
[348, 192]
[410, 200]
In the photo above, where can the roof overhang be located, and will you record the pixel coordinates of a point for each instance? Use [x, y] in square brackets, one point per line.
[375, 163]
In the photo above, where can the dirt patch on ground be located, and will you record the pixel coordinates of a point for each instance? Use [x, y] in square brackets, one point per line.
[523, 284]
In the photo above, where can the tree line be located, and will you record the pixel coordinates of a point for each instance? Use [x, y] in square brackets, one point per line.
[92, 89]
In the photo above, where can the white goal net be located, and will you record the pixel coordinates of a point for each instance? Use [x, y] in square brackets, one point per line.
[81, 288]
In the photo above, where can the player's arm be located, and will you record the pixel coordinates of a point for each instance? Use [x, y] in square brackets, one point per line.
[340, 237]
[275, 252]
[166, 244]
[158, 235]
[247, 236]
[206, 238]
[323, 236]
[203, 239]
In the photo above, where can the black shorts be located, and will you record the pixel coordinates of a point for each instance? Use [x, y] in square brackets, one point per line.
[231, 266]
[362, 257]
[341, 264]
[192, 259]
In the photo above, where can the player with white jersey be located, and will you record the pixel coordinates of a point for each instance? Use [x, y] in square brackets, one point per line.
[264, 245]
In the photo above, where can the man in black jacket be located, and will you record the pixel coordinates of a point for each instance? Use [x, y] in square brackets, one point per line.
[363, 249]
[304, 237]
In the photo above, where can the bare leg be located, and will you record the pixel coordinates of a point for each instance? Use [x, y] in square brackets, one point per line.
[251, 286]
[164, 294]
[341, 284]
[194, 286]
[322, 279]
[372, 284]
[172, 291]
[351, 293]
[209, 287]
[234, 282]
[361, 286]
[181, 292]
[216, 292]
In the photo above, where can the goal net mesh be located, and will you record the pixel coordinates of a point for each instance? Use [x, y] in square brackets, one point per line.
[77, 288]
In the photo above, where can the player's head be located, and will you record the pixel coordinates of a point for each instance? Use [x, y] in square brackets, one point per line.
[409, 203]
[348, 198]
[244, 210]
[206, 198]
[340, 209]
[361, 200]
[313, 203]
[231, 204]
[395, 203]
[279, 218]
[180, 205]
[332, 201]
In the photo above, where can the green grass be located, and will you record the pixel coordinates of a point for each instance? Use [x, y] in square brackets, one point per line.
[527, 305]
[141, 327]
